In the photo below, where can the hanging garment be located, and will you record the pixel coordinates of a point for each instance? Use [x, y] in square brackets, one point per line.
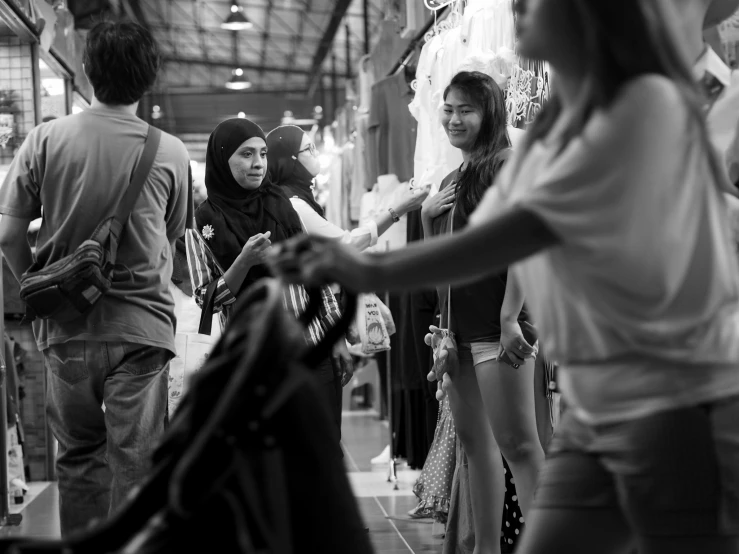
[360, 174]
[377, 202]
[428, 166]
[336, 199]
[347, 174]
[392, 128]
[483, 41]
[434, 487]
[366, 80]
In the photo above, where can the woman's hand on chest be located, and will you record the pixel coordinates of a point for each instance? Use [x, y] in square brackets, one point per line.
[436, 205]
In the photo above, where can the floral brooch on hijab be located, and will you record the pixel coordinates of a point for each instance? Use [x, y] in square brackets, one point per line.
[208, 232]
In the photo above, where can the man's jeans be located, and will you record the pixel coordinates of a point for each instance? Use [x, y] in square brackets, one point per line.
[103, 456]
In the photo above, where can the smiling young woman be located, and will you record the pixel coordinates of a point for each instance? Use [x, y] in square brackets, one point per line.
[492, 403]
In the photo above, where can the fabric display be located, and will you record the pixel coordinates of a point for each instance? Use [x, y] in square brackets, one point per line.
[341, 172]
[481, 39]
[392, 130]
[378, 201]
[353, 171]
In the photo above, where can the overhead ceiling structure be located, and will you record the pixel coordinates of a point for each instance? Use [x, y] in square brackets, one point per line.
[294, 56]
[290, 46]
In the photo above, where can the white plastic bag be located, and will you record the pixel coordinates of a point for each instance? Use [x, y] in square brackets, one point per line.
[192, 347]
[371, 326]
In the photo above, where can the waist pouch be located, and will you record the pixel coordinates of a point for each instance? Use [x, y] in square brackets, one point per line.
[70, 287]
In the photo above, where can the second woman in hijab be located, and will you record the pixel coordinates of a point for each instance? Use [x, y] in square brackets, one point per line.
[293, 164]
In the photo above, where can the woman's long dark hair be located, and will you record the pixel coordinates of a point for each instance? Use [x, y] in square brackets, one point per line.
[622, 41]
[492, 143]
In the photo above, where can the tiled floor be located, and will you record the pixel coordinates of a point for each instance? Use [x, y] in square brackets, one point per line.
[39, 511]
[384, 509]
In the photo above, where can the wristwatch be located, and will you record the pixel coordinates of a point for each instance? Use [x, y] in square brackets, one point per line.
[393, 213]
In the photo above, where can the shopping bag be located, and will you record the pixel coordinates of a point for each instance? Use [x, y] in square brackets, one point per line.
[387, 316]
[371, 326]
[192, 347]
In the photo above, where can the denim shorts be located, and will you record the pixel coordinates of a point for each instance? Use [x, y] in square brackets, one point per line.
[671, 474]
[479, 352]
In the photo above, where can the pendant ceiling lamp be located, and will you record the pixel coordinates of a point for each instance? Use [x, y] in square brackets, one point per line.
[236, 20]
[238, 80]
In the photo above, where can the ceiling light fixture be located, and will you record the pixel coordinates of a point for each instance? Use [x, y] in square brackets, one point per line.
[238, 80]
[236, 20]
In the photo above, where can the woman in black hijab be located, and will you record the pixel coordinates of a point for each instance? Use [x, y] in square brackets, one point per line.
[244, 212]
[293, 164]
[243, 215]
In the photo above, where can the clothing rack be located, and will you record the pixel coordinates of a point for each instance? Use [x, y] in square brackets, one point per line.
[418, 38]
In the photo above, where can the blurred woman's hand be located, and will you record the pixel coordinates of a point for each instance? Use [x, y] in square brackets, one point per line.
[315, 261]
[411, 199]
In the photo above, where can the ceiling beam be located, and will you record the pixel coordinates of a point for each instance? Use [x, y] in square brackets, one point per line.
[196, 16]
[244, 66]
[153, 7]
[216, 31]
[298, 38]
[297, 8]
[211, 91]
[134, 12]
[340, 9]
[265, 35]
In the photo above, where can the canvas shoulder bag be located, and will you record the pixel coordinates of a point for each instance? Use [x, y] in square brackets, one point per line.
[69, 288]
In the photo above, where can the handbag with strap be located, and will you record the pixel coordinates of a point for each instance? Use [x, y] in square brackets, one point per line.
[69, 288]
[192, 349]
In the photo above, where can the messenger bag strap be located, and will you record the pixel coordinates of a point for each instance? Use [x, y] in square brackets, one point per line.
[125, 206]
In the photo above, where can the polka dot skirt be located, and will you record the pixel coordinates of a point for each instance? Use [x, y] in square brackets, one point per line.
[512, 517]
[434, 487]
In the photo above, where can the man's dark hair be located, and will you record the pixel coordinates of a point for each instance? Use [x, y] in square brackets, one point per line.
[121, 62]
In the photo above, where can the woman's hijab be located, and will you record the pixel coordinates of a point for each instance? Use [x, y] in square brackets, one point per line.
[231, 214]
[285, 170]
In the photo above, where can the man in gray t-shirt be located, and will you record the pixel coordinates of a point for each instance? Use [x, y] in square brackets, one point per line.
[76, 169]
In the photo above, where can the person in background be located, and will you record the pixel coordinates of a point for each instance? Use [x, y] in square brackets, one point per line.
[294, 163]
[492, 403]
[76, 169]
[244, 214]
[615, 216]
